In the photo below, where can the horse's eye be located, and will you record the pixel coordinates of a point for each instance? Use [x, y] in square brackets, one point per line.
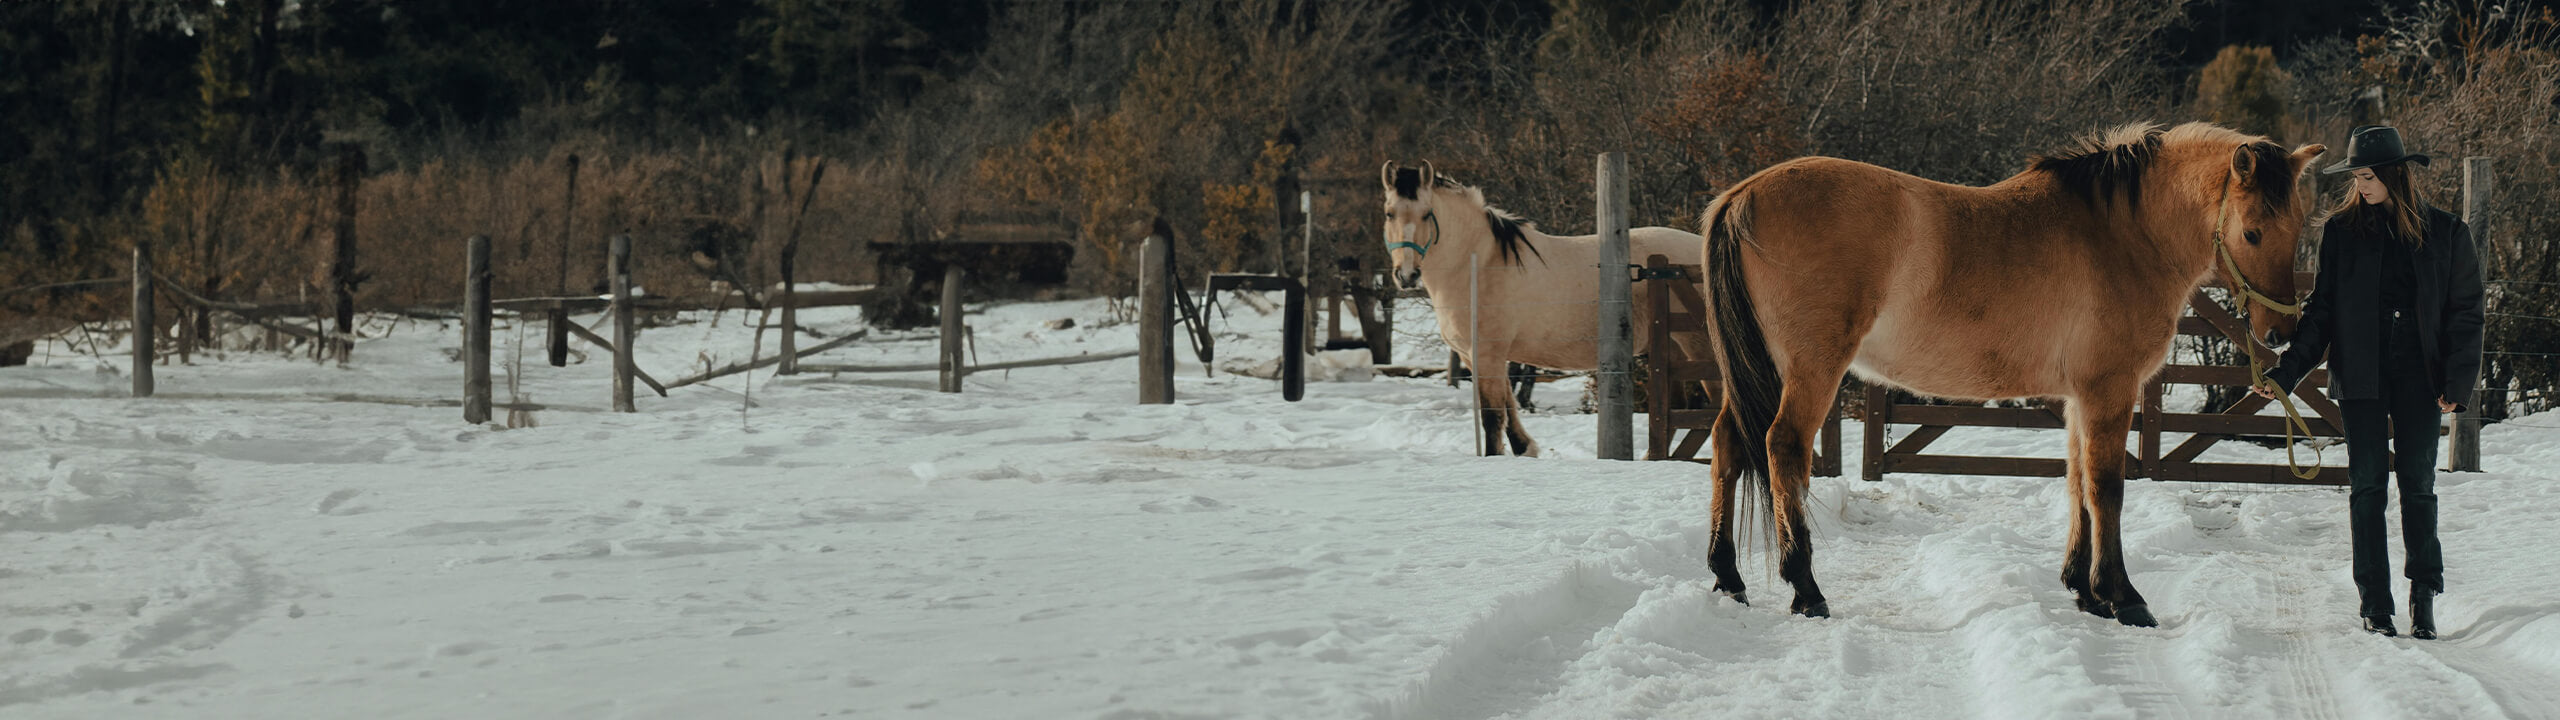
[2253, 237]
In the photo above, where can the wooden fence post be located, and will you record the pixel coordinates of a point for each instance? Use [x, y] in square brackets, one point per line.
[952, 368]
[1617, 347]
[475, 332]
[556, 327]
[618, 269]
[1155, 321]
[145, 328]
[2465, 456]
[342, 263]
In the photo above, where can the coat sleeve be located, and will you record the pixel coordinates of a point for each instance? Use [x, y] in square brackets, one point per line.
[2462, 321]
[2312, 333]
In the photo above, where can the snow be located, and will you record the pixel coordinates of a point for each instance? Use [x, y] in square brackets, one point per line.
[275, 538]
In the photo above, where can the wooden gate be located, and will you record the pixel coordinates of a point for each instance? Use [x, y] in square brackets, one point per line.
[2207, 318]
[1675, 431]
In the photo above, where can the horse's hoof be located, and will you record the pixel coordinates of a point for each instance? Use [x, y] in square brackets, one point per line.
[2136, 616]
[1819, 609]
[1737, 595]
[2099, 609]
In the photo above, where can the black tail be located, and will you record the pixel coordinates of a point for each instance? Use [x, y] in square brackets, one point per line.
[1751, 380]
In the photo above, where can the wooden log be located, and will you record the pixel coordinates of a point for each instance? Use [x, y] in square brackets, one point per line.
[618, 270]
[951, 358]
[1155, 321]
[735, 368]
[610, 348]
[145, 328]
[475, 331]
[1052, 362]
[1617, 363]
[2464, 455]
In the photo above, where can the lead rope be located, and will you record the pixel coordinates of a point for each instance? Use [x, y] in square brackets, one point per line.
[2295, 426]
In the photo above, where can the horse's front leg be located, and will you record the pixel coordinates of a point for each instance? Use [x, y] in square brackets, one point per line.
[1494, 406]
[2108, 417]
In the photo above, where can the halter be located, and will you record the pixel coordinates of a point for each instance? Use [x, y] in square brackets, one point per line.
[1423, 250]
[2257, 370]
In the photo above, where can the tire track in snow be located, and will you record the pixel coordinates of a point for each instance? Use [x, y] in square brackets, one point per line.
[1517, 653]
[2304, 662]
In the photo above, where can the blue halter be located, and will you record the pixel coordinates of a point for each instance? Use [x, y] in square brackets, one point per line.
[1423, 250]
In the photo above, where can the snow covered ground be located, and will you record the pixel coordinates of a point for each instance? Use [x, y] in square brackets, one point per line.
[273, 538]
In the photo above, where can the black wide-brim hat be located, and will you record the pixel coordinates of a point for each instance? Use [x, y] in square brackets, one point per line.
[2374, 146]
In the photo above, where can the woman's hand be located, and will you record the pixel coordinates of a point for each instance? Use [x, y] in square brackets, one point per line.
[2446, 406]
[2270, 393]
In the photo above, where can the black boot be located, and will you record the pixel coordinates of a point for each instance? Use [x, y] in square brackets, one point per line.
[2422, 614]
[2380, 625]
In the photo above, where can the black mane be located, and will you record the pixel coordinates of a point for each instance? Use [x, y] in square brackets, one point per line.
[1509, 236]
[2096, 167]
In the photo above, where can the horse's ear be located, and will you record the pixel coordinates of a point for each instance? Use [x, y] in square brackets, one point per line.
[1387, 175]
[2303, 156]
[1430, 178]
[2244, 161]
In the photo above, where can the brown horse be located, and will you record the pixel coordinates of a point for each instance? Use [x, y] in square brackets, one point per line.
[2064, 281]
[1540, 292]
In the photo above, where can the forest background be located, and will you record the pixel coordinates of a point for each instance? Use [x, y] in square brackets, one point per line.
[216, 133]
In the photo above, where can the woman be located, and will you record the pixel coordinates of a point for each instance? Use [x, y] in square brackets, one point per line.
[2397, 311]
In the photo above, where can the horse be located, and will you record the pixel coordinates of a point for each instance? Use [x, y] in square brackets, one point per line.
[1539, 292]
[2064, 281]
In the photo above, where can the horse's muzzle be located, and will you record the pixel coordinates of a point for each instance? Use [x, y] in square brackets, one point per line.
[2274, 338]
[1408, 279]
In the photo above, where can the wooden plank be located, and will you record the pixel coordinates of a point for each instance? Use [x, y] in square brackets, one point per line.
[608, 347]
[1974, 465]
[1975, 416]
[2231, 375]
[1919, 439]
[2218, 424]
[1050, 362]
[735, 368]
[1691, 443]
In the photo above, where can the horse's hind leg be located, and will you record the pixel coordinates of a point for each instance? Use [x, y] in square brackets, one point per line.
[1728, 473]
[1802, 407]
[1521, 443]
[2107, 415]
[2076, 557]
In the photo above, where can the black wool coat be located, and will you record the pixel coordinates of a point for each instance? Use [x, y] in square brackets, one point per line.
[2343, 319]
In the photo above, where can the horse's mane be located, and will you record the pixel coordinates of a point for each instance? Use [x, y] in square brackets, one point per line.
[1510, 234]
[2097, 166]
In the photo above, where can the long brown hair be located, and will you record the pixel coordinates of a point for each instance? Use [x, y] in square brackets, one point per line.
[2402, 213]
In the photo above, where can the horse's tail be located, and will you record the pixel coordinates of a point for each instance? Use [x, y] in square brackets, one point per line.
[1751, 380]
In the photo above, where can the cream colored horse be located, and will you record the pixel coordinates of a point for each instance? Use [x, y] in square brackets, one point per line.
[2064, 281]
[1539, 292]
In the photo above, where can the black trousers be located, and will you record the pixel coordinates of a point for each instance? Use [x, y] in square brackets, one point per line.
[2395, 435]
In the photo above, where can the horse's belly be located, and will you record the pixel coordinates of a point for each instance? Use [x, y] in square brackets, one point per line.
[1942, 358]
